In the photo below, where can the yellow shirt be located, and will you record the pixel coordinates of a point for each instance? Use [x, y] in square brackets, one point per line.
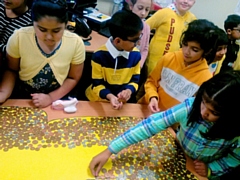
[22, 44]
[169, 28]
[172, 82]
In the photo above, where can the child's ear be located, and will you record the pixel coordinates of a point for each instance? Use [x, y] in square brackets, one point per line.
[130, 6]
[117, 40]
[229, 31]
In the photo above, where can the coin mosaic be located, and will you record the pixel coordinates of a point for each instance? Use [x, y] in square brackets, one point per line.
[159, 157]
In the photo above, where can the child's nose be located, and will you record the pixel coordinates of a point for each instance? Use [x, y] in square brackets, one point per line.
[143, 12]
[204, 112]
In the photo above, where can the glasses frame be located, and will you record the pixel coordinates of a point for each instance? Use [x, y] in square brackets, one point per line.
[135, 41]
[237, 29]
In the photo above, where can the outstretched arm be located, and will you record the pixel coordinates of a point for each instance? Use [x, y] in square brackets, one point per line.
[143, 130]
[98, 161]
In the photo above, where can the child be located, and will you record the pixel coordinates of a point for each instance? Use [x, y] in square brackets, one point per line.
[14, 14]
[209, 128]
[47, 58]
[179, 74]
[116, 65]
[142, 8]
[169, 23]
[232, 28]
[215, 62]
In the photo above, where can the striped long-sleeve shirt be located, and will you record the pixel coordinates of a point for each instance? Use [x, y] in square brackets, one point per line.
[220, 155]
[8, 25]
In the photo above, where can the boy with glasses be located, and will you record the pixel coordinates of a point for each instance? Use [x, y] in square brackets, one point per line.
[232, 28]
[116, 65]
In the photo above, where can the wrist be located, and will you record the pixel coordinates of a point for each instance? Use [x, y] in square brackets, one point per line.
[50, 97]
[129, 91]
[155, 97]
[109, 96]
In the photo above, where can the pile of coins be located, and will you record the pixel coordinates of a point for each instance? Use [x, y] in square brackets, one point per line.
[159, 157]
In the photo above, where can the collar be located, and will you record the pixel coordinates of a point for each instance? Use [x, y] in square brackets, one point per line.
[173, 7]
[114, 52]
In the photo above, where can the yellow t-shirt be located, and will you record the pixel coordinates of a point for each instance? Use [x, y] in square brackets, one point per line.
[22, 44]
[169, 28]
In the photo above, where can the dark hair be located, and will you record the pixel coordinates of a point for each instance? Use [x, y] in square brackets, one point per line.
[223, 93]
[201, 31]
[222, 39]
[53, 8]
[124, 24]
[29, 3]
[231, 22]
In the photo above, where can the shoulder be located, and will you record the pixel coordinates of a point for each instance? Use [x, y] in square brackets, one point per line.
[173, 55]
[135, 52]
[24, 19]
[146, 27]
[190, 16]
[24, 31]
[161, 13]
[165, 10]
[101, 53]
[189, 101]
[72, 38]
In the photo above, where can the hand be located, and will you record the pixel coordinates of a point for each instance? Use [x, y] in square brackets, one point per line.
[41, 100]
[153, 105]
[201, 168]
[98, 161]
[125, 95]
[114, 101]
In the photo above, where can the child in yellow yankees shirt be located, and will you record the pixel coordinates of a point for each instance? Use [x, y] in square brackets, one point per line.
[179, 74]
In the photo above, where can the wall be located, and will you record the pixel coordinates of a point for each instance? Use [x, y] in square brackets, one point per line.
[105, 6]
[213, 10]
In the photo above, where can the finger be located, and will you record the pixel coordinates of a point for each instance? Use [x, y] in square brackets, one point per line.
[99, 167]
[120, 105]
[151, 109]
[92, 168]
[34, 97]
[36, 104]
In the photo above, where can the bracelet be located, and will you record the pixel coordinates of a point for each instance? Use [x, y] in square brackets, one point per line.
[209, 172]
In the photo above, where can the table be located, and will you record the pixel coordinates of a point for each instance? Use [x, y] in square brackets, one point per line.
[96, 41]
[67, 160]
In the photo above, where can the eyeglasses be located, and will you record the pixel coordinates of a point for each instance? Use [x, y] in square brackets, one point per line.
[237, 29]
[135, 41]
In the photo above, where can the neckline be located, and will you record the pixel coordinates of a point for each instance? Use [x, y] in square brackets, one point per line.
[46, 54]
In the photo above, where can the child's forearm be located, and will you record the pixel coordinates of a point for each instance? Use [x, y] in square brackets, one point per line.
[7, 85]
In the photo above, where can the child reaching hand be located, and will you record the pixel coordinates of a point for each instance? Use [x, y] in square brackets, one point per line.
[209, 128]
